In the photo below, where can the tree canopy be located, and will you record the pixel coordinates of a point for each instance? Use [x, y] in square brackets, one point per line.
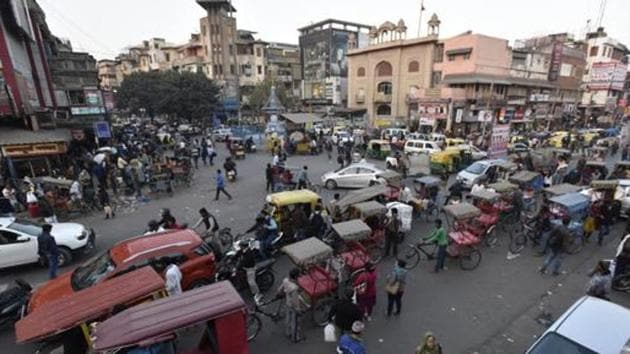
[185, 95]
[260, 94]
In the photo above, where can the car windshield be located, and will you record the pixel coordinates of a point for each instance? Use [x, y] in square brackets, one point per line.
[26, 227]
[92, 271]
[555, 343]
[476, 168]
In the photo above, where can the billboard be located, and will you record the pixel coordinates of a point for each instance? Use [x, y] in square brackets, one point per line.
[339, 49]
[608, 76]
[315, 50]
[556, 61]
[499, 141]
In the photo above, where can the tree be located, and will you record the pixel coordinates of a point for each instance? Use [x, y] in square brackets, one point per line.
[260, 95]
[186, 95]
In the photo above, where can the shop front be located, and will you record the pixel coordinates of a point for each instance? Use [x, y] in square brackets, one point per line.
[37, 156]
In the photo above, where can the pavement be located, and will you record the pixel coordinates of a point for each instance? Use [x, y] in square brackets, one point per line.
[495, 308]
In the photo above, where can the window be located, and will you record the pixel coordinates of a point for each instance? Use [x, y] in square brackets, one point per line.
[384, 110]
[384, 88]
[439, 53]
[466, 56]
[259, 69]
[414, 66]
[8, 237]
[451, 57]
[361, 72]
[384, 69]
[156, 46]
[232, 69]
[77, 97]
[220, 69]
[167, 56]
[231, 49]
[436, 78]
[555, 343]
[258, 52]
[593, 52]
[215, 69]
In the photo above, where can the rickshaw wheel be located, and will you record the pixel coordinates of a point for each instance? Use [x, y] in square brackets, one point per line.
[517, 242]
[411, 256]
[320, 311]
[254, 324]
[469, 258]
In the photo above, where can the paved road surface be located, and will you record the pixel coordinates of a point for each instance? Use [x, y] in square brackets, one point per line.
[492, 309]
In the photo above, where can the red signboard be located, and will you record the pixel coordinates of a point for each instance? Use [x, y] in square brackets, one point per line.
[556, 61]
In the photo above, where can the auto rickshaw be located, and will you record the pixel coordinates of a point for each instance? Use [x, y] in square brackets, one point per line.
[237, 145]
[282, 205]
[426, 201]
[300, 143]
[598, 170]
[318, 281]
[214, 313]
[393, 181]
[66, 322]
[450, 160]
[621, 170]
[574, 206]
[561, 189]
[271, 141]
[378, 149]
[454, 142]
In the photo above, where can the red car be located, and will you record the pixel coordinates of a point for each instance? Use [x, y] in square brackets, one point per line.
[182, 247]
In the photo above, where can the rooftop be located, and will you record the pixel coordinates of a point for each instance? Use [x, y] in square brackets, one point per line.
[15, 136]
[207, 4]
[333, 22]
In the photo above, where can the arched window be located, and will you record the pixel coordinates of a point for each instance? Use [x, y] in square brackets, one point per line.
[414, 66]
[361, 72]
[384, 69]
[384, 88]
[383, 110]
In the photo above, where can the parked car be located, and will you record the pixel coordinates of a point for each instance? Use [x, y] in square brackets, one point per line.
[183, 247]
[357, 175]
[221, 134]
[389, 133]
[589, 326]
[18, 241]
[421, 147]
[474, 172]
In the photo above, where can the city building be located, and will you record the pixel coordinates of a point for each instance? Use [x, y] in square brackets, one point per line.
[605, 74]
[219, 36]
[189, 57]
[284, 67]
[251, 54]
[323, 47]
[390, 77]
[108, 74]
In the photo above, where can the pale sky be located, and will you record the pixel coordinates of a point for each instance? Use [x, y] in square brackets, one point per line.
[105, 28]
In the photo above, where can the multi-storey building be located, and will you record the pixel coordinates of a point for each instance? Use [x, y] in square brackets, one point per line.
[251, 54]
[323, 48]
[108, 74]
[283, 66]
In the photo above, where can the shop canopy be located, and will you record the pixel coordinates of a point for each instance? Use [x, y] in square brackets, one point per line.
[302, 118]
[86, 305]
[12, 136]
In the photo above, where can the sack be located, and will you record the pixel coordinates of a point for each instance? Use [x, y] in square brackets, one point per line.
[392, 288]
[329, 333]
[31, 198]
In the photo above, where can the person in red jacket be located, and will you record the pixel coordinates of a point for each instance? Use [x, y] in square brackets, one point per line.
[365, 289]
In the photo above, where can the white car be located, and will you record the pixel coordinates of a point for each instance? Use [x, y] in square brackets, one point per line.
[477, 153]
[221, 134]
[421, 147]
[342, 137]
[589, 326]
[439, 138]
[358, 175]
[469, 176]
[18, 241]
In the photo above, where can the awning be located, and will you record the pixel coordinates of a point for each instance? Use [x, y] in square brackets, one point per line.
[302, 118]
[476, 78]
[14, 136]
[459, 51]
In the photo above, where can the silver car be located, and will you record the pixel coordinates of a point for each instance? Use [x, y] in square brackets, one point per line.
[358, 175]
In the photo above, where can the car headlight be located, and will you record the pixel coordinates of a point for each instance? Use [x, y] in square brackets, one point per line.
[84, 234]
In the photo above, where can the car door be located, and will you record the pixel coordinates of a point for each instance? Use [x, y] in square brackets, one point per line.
[365, 175]
[17, 248]
[346, 177]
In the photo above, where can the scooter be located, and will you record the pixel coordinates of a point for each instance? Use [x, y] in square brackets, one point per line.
[231, 175]
[13, 302]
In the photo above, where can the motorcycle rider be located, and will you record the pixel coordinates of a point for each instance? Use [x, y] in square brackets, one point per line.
[271, 232]
[153, 226]
[249, 143]
[167, 221]
[230, 168]
[247, 262]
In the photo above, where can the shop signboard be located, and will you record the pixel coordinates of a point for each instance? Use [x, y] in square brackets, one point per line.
[102, 131]
[607, 76]
[82, 111]
[499, 140]
[556, 61]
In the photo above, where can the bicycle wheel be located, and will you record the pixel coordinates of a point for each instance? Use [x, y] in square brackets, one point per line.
[518, 240]
[469, 258]
[254, 324]
[412, 256]
[321, 310]
[375, 253]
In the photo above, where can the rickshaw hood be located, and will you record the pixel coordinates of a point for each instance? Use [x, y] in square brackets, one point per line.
[293, 197]
[51, 290]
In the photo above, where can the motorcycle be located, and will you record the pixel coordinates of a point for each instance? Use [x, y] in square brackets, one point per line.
[227, 270]
[231, 175]
[13, 302]
[621, 279]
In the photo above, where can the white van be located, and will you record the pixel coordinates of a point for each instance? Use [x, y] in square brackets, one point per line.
[421, 147]
[439, 138]
[388, 133]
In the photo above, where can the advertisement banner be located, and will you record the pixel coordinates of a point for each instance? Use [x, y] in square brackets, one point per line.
[499, 141]
[607, 76]
[556, 61]
[102, 130]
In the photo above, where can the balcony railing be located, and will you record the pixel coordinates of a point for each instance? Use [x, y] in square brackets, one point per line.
[380, 97]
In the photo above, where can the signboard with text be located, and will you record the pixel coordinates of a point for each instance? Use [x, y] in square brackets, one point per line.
[499, 140]
[102, 130]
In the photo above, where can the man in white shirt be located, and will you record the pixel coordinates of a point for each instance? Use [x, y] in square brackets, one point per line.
[173, 280]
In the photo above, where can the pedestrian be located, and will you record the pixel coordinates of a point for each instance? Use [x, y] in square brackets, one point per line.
[47, 248]
[604, 219]
[271, 232]
[211, 153]
[103, 198]
[455, 191]
[329, 148]
[293, 306]
[365, 291]
[429, 345]
[340, 160]
[220, 182]
[352, 343]
[559, 240]
[269, 178]
[344, 313]
[173, 280]
[600, 282]
[625, 152]
[204, 152]
[194, 153]
[395, 287]
[317, 223]
[438, 235]
[392, 230]
[303, 181]
[247, 262]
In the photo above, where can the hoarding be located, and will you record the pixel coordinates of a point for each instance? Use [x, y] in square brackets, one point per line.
[556, 61]
[499, 140]
[608, 76]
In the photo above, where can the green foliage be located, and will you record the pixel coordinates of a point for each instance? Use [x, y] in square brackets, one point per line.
[186, 95]
[260, 94]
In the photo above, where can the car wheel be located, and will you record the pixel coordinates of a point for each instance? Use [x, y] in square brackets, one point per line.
[331, 184]
[65, 256]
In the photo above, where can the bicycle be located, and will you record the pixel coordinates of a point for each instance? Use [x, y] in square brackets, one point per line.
[254, 322]
[469, 256]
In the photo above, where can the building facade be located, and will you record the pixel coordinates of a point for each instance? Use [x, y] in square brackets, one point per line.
[323, 47]
[251, 54]
[283, 66]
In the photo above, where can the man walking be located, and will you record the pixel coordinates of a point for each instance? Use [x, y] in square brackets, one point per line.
[290, 289]
[558, 243]
[47, 247]
[269, 178]
[396, 281]
[220, 181]
[303, 178]
[392, 228]
[438, 235]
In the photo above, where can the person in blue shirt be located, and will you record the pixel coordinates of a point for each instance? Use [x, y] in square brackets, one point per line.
[352, 343]
[220, 181]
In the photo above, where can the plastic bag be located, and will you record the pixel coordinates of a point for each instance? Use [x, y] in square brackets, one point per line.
[31, 198]
[329, 333]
